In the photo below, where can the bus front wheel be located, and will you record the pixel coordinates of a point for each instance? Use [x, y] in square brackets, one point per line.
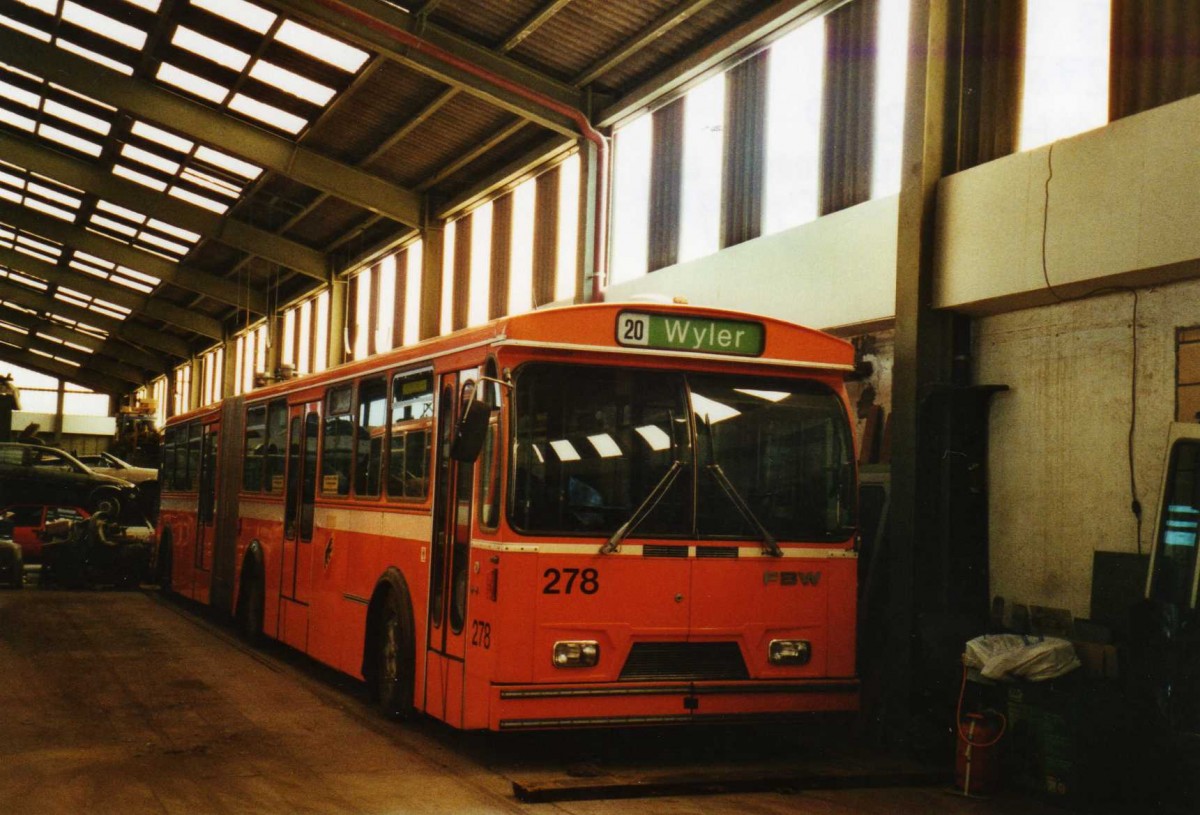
[392, 680]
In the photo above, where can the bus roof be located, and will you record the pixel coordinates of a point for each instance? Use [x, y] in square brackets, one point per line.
[672, 329]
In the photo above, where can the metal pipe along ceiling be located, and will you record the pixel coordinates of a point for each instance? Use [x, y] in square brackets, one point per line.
[577, 116]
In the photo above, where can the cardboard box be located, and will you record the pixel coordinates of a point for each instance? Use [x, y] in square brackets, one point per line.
[1099, 660]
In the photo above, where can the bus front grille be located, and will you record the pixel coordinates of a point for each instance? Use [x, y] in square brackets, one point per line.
[717, 551]
[658, 550]
[689, 661]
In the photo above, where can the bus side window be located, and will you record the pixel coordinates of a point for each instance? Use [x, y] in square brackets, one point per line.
[252, 451]
[409, 436]
[368, 455]
[192, 473]
[167, 477]
[276, 446]
[338, 439]
[489, 479]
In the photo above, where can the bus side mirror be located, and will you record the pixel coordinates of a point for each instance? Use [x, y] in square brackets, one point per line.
[472, 430]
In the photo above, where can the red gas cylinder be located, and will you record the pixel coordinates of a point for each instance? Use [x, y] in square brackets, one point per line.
[977, 757]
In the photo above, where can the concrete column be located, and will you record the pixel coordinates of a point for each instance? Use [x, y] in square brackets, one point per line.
[432, 252]
[338, 313]
[169, 394]
[229, 366]
[197, 387]
[923, 350]
[60, 401]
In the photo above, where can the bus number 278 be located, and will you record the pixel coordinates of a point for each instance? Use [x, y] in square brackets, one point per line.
[567, 581]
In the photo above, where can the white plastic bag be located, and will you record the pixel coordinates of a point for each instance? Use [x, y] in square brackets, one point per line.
[1019, 656]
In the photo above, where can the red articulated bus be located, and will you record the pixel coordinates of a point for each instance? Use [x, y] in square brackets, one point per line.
[599, 515]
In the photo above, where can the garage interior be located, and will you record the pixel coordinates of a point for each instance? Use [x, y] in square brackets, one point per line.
[993, 200]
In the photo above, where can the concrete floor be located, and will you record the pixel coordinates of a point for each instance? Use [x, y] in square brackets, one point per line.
[124, 703]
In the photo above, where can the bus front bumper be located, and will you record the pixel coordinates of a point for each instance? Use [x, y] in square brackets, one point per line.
[626, 704]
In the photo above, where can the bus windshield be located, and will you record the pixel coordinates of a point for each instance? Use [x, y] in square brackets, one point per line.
[592, 443]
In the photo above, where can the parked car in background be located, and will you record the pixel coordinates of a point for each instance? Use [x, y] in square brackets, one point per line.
[49, 483]
[146, 478]
[108, 464]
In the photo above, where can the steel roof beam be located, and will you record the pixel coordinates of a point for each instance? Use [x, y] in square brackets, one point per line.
[648, 35]
[775, 20]
[153, 103]
[51, 367]
[177, 274]
[366, 22]
[532, 24]
[114, 293]
[31, 343]
[98, 181]
[97, 345]
[145, 337]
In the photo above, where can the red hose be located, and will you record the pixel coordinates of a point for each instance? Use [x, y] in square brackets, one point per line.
[574, 114]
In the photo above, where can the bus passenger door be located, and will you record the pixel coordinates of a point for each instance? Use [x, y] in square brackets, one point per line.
[206, 512]
[301, 488]
[451, 549]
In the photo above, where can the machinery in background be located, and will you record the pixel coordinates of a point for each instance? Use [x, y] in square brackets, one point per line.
[12, 562]
[97, 551]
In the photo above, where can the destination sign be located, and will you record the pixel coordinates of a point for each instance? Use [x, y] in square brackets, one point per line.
[699, 335]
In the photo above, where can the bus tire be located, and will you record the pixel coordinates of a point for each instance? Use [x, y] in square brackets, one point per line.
[391, 676]
[249, 613]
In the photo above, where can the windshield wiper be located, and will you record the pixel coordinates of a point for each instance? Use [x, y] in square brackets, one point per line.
[769, 545]
[645, 508]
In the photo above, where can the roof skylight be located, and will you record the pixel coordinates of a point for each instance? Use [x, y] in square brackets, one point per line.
[182, 234]
[138, 177]
[162, 137]
[102, 24]
[137, 154]
[291, 82]
[255, 18]
[191, 83]
[50, 209]
[17, 120]
[17, 25]
[18, 95]
[95, 56]
[320, 46]
[77, 117]
[185, 194]
[227, 162]
[66, 139]
[45, 6]
[267, 113]
[210, 49]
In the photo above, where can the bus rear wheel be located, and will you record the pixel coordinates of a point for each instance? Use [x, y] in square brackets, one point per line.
[392, 677]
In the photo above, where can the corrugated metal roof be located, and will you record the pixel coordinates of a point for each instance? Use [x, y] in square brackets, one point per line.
[340, 118]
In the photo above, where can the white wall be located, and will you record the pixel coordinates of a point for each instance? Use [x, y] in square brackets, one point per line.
[1124, 210]
[72, 424]
[837, 271]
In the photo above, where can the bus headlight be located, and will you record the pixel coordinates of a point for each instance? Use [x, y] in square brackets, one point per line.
[790, 652]
[576, 654]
